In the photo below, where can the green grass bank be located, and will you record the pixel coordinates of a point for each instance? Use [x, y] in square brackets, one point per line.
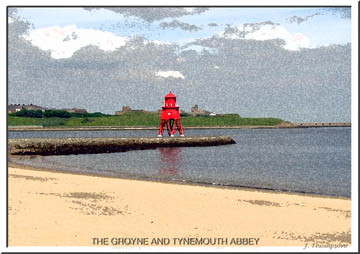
[141, 119]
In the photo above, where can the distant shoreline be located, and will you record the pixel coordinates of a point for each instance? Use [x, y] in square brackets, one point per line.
[114, 128]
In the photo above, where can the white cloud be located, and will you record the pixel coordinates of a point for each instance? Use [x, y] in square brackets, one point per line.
[269, 32]
[199, 49]
[167, 74]
[181, 59]
[297, 41]
[62, 42]
[10, 20]
[157, 42]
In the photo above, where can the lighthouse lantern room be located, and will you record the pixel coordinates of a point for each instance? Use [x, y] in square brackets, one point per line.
[170, 116]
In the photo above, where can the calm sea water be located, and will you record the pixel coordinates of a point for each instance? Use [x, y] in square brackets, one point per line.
[310, 160]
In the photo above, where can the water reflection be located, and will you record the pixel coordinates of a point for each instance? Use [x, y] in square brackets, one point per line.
[170, 160]
[315, 160]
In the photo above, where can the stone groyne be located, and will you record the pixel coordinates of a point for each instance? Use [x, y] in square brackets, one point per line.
[65, 146]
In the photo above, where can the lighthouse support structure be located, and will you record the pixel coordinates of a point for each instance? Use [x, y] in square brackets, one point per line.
[170, 117]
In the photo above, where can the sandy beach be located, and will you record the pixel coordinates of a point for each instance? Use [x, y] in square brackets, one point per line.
[62, 209]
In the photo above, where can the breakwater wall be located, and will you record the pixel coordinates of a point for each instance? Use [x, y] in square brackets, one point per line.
[320, 124]
[64, 146]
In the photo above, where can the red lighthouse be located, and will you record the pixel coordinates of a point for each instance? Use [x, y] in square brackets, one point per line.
[170, 116]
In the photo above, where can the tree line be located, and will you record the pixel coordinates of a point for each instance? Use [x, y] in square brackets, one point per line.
[54, 113]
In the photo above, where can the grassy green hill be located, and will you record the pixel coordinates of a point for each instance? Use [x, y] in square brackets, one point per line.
[141, 119]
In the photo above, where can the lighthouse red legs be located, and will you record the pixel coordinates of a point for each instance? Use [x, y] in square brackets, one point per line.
[162, 127]
[171, 129]
[170, 116]
[179, 127]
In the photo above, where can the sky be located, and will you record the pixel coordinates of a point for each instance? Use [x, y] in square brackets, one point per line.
[288, 63]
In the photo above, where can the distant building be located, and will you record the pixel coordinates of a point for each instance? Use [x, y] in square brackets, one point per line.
[13, 108]
[124, 109]
[75, 110]
[34, 107]
[128, 109]
[197, 111]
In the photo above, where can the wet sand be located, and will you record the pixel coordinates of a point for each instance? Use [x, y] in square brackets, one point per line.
[62, 209]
